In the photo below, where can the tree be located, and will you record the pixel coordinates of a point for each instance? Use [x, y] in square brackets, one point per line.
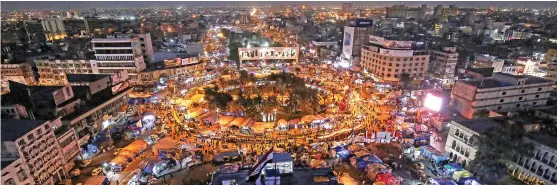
[482, 113]
[405, 79]
[496, 146]
[234, 54]
[276, 44]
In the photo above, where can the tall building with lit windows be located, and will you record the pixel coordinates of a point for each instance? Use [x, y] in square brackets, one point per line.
[117, 54]
[389, 59]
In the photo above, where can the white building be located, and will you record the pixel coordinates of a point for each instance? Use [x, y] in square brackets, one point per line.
[54, 28]
[35, 143]
[144, 39]
[15, 173]
[53, 72]
[118, 54]
[488, 61]
[540, 168]
[442, 64]
[462, 135]
[501, 92]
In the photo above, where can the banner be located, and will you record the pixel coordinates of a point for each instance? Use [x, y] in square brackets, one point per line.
[173, 62]
[348, 42]
[260, 53]
[396, 53]
[397, 44]
[376, 40]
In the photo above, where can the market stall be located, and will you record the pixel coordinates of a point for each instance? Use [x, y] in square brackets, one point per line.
[442, 182]
[167, 144]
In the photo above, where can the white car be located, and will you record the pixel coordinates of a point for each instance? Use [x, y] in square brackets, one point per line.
[97, 171]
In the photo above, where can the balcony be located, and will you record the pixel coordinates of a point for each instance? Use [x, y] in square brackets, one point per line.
[539, 158]
[546, 177]
[540, 172]
[552, 164]
[545, 161]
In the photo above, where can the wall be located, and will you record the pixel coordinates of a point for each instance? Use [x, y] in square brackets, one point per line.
[16, 174]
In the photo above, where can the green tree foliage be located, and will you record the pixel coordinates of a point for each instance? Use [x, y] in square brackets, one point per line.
[217, 99]
[496, 146]
[276, 44]
[405, 79]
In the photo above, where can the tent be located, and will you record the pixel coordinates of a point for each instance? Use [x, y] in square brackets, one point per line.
[166, 144]
[210, 119]
[451, 168]
[461, 174]
[260, 127]
[224, 120]
[147, 165]
[308, 119]
[237, 121]
[371, 159]
[442, 182]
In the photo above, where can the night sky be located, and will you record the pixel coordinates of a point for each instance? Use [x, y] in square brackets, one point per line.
[65, 5]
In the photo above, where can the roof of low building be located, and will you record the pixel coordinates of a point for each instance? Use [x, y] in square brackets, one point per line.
[12, 129]
[480, 125]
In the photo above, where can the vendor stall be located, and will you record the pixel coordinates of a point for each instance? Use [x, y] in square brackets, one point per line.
[451, 168]
[442, 182]
[461, 175]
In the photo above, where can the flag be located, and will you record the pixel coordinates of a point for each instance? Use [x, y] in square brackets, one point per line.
[255, 171]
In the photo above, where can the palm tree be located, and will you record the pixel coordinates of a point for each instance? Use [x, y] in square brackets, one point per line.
[405, 79]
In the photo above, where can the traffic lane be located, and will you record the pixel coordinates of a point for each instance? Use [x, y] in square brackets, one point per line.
[188, 176]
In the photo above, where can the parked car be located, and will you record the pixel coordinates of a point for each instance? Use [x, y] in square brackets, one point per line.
[117, 151]
[84, 163]
[75, 172]
[97, 171]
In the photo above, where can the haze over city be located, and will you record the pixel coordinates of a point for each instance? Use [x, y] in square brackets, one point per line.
[269, 92]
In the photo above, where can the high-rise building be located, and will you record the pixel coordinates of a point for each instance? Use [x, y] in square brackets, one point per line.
[35, 143]
[118, 54]
[389, 59]
[346, 7]
[442, 64]
[35, 31]
[355, 36]
[441, 12]
[244, 18]
[17, 72]
[501, 92]
[53, 28]
[401, 11]
[144, 39]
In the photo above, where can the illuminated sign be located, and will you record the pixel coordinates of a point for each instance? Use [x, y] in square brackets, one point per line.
[173, 62]
[191, 60]
[397, 44]
[376, 40]
[262, 53]
[433, 102]
[396, 53]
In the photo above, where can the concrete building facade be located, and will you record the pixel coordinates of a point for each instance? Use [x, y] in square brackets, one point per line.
[390, 64]
[442, 64]
[501, 92]
[118, 54]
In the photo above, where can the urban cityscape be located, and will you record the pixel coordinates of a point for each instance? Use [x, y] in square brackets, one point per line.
[278, 92]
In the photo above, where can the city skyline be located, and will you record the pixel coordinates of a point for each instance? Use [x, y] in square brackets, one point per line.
[65, 5]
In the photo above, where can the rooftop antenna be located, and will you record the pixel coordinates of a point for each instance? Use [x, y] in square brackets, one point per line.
[482, 83]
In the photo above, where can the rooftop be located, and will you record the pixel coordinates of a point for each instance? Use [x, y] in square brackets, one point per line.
[85, 77]
[480, 125]
[494, 83]
[484, 71]
[546, 138]
[13, 129]
[96, 100]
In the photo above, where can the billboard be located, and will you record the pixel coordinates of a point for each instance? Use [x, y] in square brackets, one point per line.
[173, 62]
[348, 41]
[396, 53]
[376, 40]
[261, 53]
[191, 60]
[362, 22]
[397, 44]
[433, 102]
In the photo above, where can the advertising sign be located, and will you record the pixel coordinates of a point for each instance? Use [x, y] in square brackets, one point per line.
[262, 53]
[172, 62]
[347, 42]
[376, 40]
[397, 44]
[191, 60]
[396, 53]
[362, 22]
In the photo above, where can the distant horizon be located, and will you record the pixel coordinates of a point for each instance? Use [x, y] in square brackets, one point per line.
[69, 5]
